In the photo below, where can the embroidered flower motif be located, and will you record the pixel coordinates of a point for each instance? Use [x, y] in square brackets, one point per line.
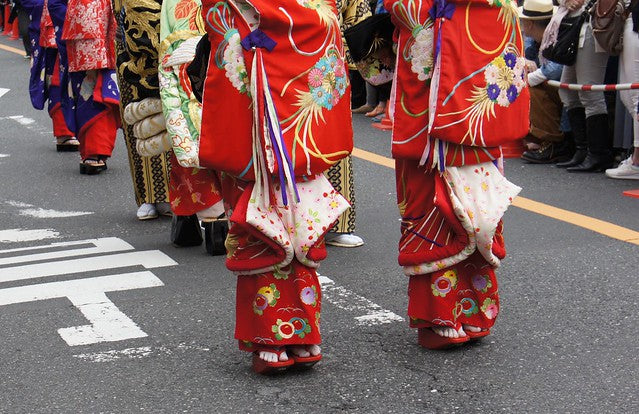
[266, 296]
[468, 306]
[444, 283]
[308, 295]
[481, 282]
[295, 326]
[421, 52]
[489, 308]
[504, 79]
[281, 273]
[234, 63]
[326, 84]
[315, 78]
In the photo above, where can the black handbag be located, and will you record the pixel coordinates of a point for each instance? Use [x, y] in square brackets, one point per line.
[564, 51]
[196, 70]
[186, 231]
[369, 35]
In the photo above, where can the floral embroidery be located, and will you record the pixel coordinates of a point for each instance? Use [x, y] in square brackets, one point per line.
[481, 282]
[421, 52]
[295, 326]
[468, 306]
[234, 64]
[504, 80]
[229, 52]
[282, 272]
[489, 308]
[266, 296]
[327, 81]
[444, 283]
[418, 50]
[308, 295]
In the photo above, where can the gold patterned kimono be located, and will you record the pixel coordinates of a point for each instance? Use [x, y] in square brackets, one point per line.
[137, 43]
[350, 12]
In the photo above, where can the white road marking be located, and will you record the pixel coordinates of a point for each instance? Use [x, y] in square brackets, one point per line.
[149, 259]
[3, 91]
[108, 323]
[4, 155]
[21, 235]
[352, 302]
[17, 203]
[44, 213]
[32, 211]
[22, 120]
[29, 124]
[103, 245]
[137, 353]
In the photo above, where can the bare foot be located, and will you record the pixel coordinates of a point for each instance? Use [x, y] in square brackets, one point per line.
[471, 328]
[448, 332]
[305, 351]
[273, 356]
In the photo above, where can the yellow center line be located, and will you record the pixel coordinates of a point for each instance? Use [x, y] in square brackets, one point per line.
[598, 226]
[12, 49]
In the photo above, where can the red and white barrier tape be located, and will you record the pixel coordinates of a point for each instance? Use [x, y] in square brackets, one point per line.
[597, 88]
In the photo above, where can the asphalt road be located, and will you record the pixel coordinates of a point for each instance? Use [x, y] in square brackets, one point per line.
[565, 340]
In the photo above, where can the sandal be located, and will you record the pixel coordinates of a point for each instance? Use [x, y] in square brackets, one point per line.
[66, 144]
[474, 336]
[261, 366]
[215, 232]
[304, 362]
[92, 166]
[427, 338]
[378, 110]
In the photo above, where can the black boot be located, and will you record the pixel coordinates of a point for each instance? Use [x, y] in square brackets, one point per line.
[577, 118]
[598, 158]
[548, 153]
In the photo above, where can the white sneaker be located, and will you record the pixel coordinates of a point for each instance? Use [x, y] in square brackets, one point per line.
[147, 211]
[343, 239]
[624, 171]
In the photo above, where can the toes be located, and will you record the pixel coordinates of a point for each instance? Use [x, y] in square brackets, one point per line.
[314, 350]
[273, 356]
[471, 328]
[268, 356]
[299, 350]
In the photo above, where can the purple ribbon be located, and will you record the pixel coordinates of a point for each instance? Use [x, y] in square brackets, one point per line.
[420, 235]
[442, 9]
[258, 38]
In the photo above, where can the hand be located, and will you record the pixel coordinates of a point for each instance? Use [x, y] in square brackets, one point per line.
[531, 66]
[573, 5]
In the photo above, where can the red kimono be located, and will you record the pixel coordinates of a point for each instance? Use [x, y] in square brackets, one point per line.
[271, 129]
[459, 93]
[89, 33]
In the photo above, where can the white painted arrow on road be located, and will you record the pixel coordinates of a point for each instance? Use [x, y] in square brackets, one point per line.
[106, 322]
[3, 91]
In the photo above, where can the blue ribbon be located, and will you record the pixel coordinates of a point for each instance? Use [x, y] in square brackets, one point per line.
[258, 38]
[442, 9]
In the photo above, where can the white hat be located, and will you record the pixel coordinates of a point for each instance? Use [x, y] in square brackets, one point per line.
[536, 10]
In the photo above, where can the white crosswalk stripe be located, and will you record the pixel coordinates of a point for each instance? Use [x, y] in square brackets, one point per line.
[87, 293]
